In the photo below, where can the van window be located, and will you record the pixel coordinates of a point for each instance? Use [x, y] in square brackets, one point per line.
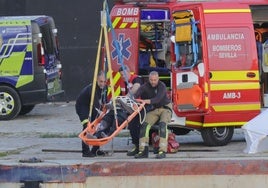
[47, 39]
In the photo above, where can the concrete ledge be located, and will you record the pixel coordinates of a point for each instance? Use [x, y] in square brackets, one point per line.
[81, 172]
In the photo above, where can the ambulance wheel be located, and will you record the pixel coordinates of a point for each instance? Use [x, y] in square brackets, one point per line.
[217, 136]
[179, 131]
[10, 104]
[25, 109]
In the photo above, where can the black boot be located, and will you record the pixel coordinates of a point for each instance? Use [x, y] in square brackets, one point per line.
[85, 148]
[97, 152]
[86, 151]
[143, 154]
[88, 154]
[160, 155]
[156, 150]
[133, 151]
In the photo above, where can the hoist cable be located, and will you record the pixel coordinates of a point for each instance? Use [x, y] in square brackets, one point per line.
[104, 25]
[95, 75]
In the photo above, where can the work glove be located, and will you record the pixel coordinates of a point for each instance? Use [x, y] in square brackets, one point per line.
[84, 126]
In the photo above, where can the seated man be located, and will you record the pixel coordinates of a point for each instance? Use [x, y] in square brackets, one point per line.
[154, 94]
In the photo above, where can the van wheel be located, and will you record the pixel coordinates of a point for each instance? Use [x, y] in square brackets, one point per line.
[10, 104]
[217, 136]
[25, 109]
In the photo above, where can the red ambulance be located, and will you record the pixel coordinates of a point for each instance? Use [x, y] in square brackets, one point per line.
[213, 56]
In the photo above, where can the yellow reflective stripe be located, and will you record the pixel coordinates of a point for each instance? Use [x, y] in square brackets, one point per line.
[10, 68]
[116, 78]
[196, 123]
[233, 75]
[206, 97]
[206, 102]
[134, 25]
[223, 124]
[206, 87]
[218, 124]
[29, 47]
[209, 11]
[235, 86]
[23, 80]
[115, 22]
[147, 130]
[84, 121]
[123, 25]
[240, 107]
[109, 91]
[15, 22]
[117, 91]
[164, 77]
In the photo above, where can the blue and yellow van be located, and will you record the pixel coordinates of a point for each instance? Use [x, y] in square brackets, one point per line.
[30, 67]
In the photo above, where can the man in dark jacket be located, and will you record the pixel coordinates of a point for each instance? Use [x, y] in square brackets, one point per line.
[154, 94]
[82, 109]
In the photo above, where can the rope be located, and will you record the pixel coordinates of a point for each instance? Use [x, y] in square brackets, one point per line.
[104, 25]
[95, 75]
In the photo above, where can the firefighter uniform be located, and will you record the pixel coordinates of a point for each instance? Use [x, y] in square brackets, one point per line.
[82, 110]
[158, 111]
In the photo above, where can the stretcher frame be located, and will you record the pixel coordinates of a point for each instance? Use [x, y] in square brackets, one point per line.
[92, 127]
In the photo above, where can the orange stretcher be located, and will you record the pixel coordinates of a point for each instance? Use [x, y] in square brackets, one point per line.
[92, 127]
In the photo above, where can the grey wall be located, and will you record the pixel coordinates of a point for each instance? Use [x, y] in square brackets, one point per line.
[78, 24]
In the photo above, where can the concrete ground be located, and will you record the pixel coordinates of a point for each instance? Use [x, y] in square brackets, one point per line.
[50, 132]
[44, 145]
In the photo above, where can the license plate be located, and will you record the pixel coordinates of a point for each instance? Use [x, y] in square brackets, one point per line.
[50, 85]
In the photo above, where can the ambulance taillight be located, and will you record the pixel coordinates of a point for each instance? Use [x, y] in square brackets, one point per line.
[40, 55]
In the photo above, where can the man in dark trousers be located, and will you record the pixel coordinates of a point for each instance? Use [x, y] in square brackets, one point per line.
[154, 94]
[132, 83]
[82, 109]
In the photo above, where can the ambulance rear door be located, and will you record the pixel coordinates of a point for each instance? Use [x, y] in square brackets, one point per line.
[125, 21]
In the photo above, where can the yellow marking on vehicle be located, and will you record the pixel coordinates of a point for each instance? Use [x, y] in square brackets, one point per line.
[196, 123]
[235, 86]
[223, 124]
[123, 25]
[134, 25]
[240, 107]
[116, 21]
[210, 11]
[233, 76]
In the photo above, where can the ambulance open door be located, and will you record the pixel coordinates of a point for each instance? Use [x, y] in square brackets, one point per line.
[126, 25]
[189, 78]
